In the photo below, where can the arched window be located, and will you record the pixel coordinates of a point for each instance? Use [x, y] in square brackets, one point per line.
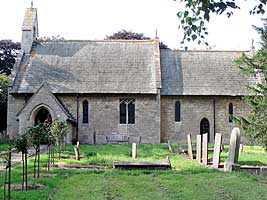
[85, 112]
[177, 111]
[127, 111]
[231, 112]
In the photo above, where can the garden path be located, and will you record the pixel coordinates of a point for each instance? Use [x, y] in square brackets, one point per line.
[16, 158]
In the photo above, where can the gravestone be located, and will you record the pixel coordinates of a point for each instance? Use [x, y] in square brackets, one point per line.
[170, 146]
[241, 148]
[190, 149]
[76, 150]
[198, 157]
[205, 149]
[134, 150]
[217, 150]
[232, 161]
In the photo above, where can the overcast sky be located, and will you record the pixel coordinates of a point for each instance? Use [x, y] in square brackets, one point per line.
[93, 19]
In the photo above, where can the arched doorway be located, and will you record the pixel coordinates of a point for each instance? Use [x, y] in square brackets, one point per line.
[42, 116]
[205, 127]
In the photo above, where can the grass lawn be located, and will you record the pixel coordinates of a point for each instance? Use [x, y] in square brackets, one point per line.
[188, 180]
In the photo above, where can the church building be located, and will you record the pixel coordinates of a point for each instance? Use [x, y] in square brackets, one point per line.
[129, 87]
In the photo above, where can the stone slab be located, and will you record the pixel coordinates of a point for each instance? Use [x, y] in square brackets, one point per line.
[205, 149]
[189, 148]
[217, 150]
[198, 156]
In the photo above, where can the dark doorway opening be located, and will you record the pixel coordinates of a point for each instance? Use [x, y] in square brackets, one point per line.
[205, 127]
[42, 116]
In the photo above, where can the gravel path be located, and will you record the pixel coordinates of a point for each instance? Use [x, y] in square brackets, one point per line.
[16, 157]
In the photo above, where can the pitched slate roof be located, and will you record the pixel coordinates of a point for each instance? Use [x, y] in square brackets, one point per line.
[91, 67]
[201, 73]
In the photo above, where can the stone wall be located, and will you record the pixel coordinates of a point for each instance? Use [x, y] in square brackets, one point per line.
[153, 123]
[15, 104]
[104, 117]
[193, 110]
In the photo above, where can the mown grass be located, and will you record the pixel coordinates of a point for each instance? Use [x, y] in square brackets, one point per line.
[188, 180]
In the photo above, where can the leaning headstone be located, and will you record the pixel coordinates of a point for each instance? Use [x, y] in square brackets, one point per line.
[170, 146]
[189, 144]
[205, 149]
[241, 149]
[217, 150]
[134, 150]
[198, 157]
[232, 161]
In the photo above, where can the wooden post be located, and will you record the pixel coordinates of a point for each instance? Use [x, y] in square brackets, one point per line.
[205, 149]
[217, 150]
[190, 149]
[198, 157]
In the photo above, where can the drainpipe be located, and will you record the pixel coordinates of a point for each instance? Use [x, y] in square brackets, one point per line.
[214, 117]
[77, 118]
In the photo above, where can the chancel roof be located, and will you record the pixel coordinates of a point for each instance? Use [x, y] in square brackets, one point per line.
[201, 73]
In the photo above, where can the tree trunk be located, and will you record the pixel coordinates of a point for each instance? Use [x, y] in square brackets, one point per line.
[59, 150]
[23, 171]
[5, 184]
[26, 171]
[38, 174]
[34, 165]
[53, 155]
[48, 160]
[9, 176]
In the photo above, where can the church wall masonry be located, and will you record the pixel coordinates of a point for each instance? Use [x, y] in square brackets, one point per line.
[195, 108]
[104, 117]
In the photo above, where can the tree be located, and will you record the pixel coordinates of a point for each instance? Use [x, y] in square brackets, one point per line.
[129, 35]
[59, 130]
[22, 145]
[197, 13]
[8, 54]
[255, 124]
[3, 101]
[51, 38]
[37, 135]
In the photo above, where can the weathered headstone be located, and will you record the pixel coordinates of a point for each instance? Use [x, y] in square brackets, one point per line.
[170, 146]
[241, 148]
[198, 157]
[134, 150]
[205, 149]
[232, 161]
[76, 150]
[217, 150]
[190, 149]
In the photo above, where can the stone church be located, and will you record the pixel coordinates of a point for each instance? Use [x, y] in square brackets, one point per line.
[122, 86]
